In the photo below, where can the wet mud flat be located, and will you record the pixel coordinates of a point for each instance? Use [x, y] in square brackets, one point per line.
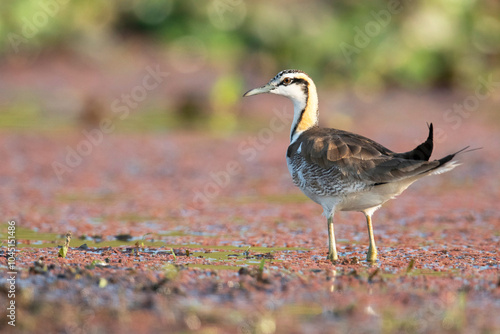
[125, 289]
[167, 237]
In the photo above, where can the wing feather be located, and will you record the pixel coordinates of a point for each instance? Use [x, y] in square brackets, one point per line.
[358, 156]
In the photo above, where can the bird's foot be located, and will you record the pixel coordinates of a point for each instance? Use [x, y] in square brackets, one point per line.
[333, 257]
[372, 255]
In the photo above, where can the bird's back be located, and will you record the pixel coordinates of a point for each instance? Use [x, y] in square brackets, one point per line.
[334, 163]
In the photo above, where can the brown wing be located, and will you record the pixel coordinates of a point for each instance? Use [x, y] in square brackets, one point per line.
[356, 156]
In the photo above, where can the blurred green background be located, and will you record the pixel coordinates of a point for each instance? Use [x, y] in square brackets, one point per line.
[68, 61]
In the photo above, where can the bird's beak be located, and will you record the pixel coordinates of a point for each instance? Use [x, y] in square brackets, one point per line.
[264, 89]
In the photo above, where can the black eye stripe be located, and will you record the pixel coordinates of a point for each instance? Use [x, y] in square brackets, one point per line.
[294, 80]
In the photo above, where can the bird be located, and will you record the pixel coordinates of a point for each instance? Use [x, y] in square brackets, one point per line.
[344, 171]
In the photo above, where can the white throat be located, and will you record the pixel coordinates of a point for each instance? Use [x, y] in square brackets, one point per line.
[298, 106]
[305, 110]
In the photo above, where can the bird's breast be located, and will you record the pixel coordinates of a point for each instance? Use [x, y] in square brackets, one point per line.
[313, 179]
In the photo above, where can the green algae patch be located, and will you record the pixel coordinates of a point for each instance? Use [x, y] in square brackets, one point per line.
[27, 237]
[235, 248]
[213, 266]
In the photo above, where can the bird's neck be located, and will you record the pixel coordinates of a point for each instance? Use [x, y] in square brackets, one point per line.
[305, 112]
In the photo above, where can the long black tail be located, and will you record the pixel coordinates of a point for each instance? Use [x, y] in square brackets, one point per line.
[443, 165]
[421, 152]
[447, 158]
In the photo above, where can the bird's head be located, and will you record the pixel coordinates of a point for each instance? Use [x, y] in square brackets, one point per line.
[298, 87]
[294, 84]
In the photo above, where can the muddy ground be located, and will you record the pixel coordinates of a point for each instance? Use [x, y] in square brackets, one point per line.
[185, 231]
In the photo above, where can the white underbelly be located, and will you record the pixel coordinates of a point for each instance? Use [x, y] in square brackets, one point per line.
[372, 197]
[354, 196]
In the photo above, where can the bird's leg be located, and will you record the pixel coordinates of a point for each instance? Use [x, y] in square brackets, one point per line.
[332, 248]
[372, 249]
